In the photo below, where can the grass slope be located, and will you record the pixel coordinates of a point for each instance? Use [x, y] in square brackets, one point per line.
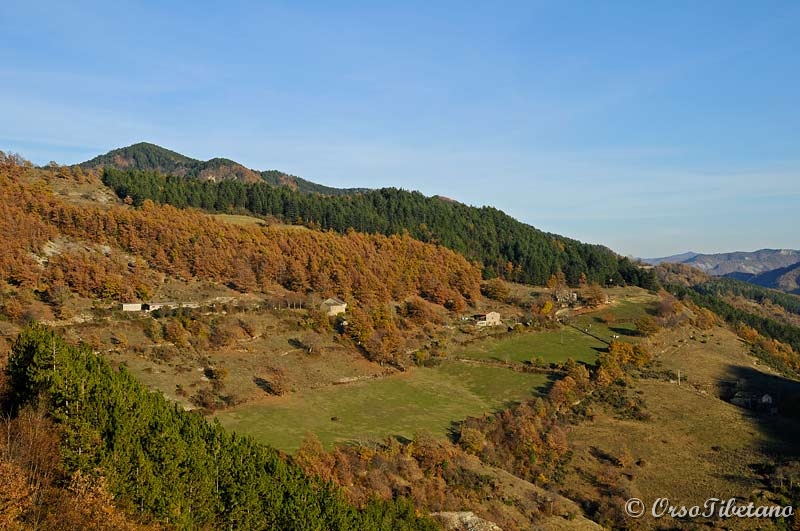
[424, 399]
[552, 346]
[581, 341]
[696, 446]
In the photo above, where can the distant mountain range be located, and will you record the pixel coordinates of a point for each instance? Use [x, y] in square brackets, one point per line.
[674, 259]
[146, 156]
[772, 268]
[784, 278]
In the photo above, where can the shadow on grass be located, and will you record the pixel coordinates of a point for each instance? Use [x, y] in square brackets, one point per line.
[544, 389]
[266, 386]
[774, 402]
[623, 331]
[402, 439]
[604, 456]
[296, 343]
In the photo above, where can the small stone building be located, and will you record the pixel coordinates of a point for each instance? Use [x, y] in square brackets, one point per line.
[487, 319]
[333, 306]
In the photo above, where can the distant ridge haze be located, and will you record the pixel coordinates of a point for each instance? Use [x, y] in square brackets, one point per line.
[674, 259]
[720, 264]
[771, 268]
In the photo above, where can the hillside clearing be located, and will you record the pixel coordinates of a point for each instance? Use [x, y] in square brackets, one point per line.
[424, 399]
[695, 446]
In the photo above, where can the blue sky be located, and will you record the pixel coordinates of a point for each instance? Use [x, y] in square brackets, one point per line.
[651, 127]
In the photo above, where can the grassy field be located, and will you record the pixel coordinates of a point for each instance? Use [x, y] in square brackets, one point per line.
[581, 342]
[624, 313]
[236, 219]
[552, 346]
[695, 446]
[401, 405]
[374, 407]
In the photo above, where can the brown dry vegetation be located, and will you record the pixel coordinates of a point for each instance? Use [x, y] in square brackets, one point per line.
[139, 247]
[69, 253]
[695, 445]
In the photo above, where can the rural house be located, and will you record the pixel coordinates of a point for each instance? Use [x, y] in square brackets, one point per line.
[333, 306]
[151, 306]
[566, 296]
[487, 319]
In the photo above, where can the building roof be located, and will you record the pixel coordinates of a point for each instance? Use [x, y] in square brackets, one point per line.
[333, 301]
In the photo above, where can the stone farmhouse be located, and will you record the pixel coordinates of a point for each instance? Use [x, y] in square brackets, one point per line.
[487, 319]
[333, 306]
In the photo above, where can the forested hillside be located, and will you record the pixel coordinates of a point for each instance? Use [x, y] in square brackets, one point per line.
[52, 247]
[145, 156]
[160, 463]
[759, 294]
[504, 246]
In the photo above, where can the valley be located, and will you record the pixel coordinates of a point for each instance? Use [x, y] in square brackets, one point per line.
[376, 266]
[546, 405]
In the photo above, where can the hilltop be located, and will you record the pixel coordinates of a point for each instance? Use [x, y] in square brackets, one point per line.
[502, 245]
[146, 156]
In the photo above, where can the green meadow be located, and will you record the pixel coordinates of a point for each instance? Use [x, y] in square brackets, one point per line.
[423, 399]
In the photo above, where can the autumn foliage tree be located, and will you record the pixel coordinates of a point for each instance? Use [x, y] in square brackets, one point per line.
[122, 253]
[496, 289]
[594, 295]
[646, 325]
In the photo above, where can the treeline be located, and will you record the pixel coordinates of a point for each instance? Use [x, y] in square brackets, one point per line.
[504, 246]
[124, 253]
[165, 465]
[277, 178]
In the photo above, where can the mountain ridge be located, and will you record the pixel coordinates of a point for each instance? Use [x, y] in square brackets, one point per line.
[770, 268]
[783, 278]
[720, 264]
[672, 259]
[152, 157]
